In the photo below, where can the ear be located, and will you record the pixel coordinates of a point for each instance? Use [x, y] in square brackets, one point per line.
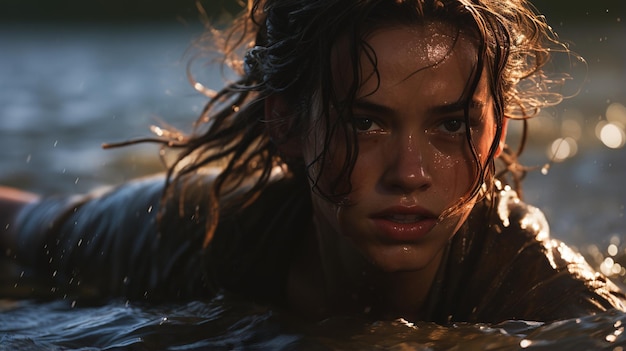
[505, 124]
[280, 119]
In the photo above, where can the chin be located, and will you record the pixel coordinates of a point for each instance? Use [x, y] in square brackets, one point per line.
[403, 258]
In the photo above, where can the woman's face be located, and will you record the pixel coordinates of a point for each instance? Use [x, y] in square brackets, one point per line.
[414, 161]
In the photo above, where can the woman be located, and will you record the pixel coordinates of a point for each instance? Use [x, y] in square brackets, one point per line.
[351, 169]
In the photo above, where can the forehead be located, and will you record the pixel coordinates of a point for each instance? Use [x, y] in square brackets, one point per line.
[430, 43]
[395, 53]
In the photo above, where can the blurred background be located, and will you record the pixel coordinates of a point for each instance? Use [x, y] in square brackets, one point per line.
[75, 74]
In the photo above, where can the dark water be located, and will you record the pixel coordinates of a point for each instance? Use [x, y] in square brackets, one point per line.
[66, 90]
[222, 324]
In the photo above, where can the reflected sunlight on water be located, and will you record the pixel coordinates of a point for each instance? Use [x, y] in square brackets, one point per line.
[610, 129]
[229, 324]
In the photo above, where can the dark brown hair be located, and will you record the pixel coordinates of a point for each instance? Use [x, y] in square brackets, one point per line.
[284, 47]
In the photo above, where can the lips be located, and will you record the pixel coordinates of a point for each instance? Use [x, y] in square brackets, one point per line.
[404, 218]
[404, 223]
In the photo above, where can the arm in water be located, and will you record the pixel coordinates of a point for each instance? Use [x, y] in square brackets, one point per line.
[11, 202]
[106, 243]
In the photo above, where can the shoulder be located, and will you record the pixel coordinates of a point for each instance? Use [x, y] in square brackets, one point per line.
[255, 246]
[519, 218]
[517, 271]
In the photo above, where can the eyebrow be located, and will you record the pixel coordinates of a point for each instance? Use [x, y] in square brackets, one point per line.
[456, 106]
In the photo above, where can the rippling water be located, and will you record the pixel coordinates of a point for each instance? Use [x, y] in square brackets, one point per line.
[223, 324]
[66, 90]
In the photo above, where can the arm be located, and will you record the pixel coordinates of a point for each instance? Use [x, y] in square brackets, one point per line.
[108, 243]
[12, 201]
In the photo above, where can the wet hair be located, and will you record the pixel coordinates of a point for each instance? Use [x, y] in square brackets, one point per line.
[284, 47]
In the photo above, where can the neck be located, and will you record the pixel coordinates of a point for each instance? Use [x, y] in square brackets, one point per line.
[386, 295]
[403, 294]
[332, 278]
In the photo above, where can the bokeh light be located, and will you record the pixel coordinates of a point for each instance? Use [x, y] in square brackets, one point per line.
[612, 131]
[612, 135]
[562, 149]
[616, 113]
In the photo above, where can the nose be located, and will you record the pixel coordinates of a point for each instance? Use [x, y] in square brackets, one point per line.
[406, 172]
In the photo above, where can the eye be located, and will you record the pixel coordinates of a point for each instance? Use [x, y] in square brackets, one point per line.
[453, 126]
[364, 124]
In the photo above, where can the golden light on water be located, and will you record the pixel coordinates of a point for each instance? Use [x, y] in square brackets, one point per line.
[562, 148]
[616, 113]
[572, 128]
[612, 261]
[612, 135]
[612, 131]
[609, 129]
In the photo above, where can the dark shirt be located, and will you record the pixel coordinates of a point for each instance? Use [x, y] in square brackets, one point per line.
[501, 265]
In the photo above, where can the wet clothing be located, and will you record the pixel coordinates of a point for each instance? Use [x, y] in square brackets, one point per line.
[501, 265]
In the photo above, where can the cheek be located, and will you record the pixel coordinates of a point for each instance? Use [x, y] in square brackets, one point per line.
[453, 173]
